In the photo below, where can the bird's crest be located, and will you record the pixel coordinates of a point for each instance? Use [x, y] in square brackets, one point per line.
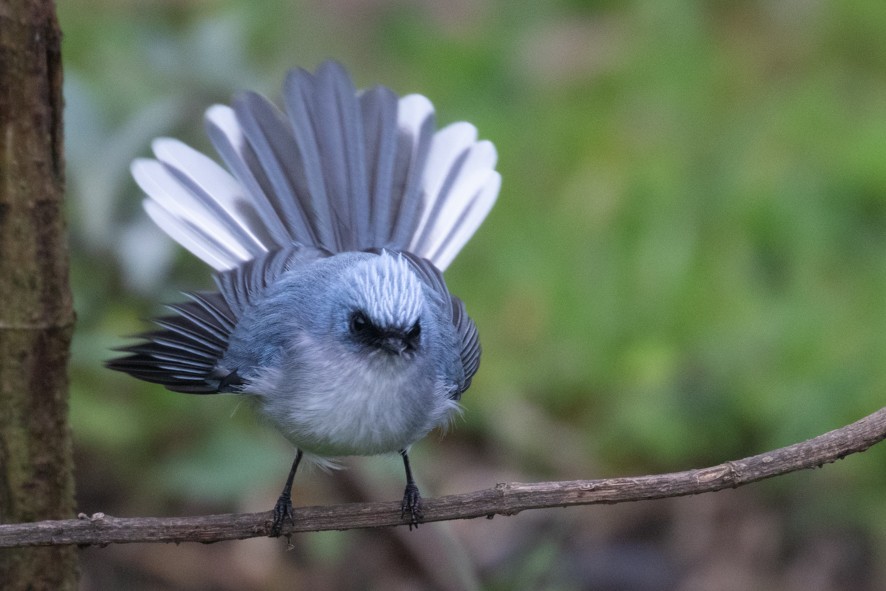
[386, 290]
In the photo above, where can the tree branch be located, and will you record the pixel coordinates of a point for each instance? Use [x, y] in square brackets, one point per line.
[503, 499]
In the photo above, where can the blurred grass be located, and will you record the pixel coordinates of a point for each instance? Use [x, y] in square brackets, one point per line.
[687, 262]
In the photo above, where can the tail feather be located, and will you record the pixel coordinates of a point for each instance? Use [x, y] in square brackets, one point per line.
[415, 128]
[340, 171]
[300, 97]
[226, 134]
[198, 202]
[378, 108]
[339, 133]
[266, 131]
[468, 217]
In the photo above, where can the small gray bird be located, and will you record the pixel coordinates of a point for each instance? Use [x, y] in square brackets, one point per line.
[328, 238]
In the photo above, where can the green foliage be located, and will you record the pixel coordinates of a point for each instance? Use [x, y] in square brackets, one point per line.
[687, 262]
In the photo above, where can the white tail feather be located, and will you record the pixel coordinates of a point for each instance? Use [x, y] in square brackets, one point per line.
[432, 189]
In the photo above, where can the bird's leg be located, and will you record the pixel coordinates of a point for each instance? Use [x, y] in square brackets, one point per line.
[411, 498]
[283, 508]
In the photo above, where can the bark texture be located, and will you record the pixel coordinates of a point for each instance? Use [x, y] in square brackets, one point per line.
[36, 314]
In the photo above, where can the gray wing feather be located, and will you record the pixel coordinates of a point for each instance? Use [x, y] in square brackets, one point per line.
[470, 342]
[184, 356]
[242, 286]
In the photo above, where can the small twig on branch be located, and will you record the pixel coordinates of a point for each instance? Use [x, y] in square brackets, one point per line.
[503, 499]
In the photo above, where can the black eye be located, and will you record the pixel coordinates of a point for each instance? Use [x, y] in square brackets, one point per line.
[359, 322]
[413, 333]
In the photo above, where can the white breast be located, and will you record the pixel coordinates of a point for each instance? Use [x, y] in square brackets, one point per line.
[338, 403]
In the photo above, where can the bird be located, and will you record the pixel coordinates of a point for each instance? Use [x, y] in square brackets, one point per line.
[327, 230]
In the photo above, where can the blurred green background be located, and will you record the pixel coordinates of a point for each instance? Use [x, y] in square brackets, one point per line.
[686, 264]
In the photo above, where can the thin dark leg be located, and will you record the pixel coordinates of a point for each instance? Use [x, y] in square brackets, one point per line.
[411, 498]
[283, 508]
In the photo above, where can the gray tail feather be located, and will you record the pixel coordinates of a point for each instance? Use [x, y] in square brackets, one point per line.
[336, 169]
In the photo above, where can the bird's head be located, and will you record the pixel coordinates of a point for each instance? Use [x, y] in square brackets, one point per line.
[382, 307]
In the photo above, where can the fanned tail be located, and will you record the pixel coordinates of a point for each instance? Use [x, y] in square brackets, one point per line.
[340, 170]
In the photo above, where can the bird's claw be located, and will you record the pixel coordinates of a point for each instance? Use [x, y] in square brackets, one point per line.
[411, 506]
[282, 512]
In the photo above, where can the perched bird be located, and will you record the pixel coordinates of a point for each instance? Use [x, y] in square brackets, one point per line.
[328, 235]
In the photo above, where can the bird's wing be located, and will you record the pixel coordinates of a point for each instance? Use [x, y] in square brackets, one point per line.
[184, 354]
[464, 326]
[340, 170]
[242, 286]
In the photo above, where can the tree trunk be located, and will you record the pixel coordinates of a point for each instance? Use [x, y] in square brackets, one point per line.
[36, 315]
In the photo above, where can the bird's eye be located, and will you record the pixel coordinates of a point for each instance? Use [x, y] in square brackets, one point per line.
[359, 322]
[414, 332]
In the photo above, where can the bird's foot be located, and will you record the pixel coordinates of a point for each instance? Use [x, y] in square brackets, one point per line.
[282, 512]
[411, 506]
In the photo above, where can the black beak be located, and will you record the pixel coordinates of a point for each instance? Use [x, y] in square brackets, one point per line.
[394, 344]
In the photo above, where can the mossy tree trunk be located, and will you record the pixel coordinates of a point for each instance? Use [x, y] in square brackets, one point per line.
[36, 315]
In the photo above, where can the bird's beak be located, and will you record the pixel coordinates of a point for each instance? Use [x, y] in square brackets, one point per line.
[394, 344]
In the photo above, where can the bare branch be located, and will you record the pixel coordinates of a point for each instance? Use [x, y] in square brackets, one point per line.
[503, 499]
